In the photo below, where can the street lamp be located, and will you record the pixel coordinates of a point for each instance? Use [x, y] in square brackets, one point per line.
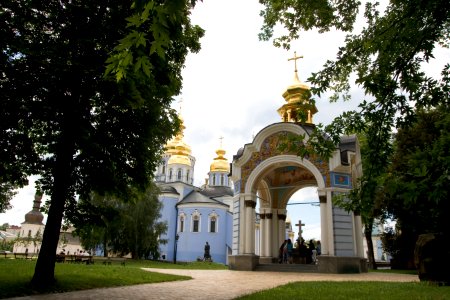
[175, 252]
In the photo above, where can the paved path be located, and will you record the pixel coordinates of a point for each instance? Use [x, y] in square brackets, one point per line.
[215, 284]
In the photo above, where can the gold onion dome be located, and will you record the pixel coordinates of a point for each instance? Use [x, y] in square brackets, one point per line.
[220, 163]
[178, 150]
[298, 102]
[288, 219]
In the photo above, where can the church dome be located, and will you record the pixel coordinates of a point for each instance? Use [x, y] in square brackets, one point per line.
[298, 107]
[35, 216]
[178, 150]
[220, 163]
[179, 159]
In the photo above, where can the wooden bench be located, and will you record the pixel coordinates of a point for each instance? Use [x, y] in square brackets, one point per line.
[88, 259]
[110, 260]
[5, 253]
[60, 258]
[23, 255]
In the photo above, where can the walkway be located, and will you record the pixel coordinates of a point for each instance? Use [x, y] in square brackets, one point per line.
[215, 284]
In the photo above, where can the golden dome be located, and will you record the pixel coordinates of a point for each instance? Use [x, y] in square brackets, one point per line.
[177, 146]
[179, 159]
[298, 106]
[220, 163]
[288, 219]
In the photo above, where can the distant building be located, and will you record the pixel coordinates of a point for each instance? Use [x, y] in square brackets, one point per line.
[29, 235]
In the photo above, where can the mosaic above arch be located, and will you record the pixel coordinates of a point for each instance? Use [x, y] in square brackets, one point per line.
[271, 148]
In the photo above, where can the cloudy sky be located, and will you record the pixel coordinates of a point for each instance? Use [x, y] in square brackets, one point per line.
[233, 88]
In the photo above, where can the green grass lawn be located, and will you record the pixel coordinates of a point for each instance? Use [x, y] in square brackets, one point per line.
[15, 275]
[353, 290]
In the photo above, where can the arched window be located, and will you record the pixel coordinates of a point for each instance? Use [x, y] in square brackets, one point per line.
[187, 176]
[213, 222]
[179, 174]
[181, 220]
[164, 169]
[214, 179]
[170, 174]
[222, 180]
[195, 222]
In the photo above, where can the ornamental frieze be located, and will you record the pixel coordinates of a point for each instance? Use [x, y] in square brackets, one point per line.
[271, 148]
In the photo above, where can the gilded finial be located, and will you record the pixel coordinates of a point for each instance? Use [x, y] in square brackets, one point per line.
[295, 64]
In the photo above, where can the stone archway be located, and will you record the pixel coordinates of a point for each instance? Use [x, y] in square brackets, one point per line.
[259, 169]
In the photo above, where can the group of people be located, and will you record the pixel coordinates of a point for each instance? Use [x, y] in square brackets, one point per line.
[286, 250]
[308, 253]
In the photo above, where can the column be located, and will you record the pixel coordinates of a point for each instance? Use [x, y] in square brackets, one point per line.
[262, 233]
[323, 224]
[358, 235]
[330, 225]
[268, 234]
[249, 245]
[281, 226]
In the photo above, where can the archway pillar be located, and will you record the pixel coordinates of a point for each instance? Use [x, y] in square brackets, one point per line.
[267, 233]
[323, 224]
[328, 239]
[249, 226]
[358, 235]
[262, 233]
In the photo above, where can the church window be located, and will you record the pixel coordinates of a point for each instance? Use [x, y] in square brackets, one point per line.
[222, 180]
[29, 233]
[164, 169]
[181, 229]
[170, 174]
[195, 222]
[213, 224]
[187, 176]
[214, 179]
[179, 174]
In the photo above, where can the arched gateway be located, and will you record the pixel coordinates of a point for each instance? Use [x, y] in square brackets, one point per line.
[263, 173]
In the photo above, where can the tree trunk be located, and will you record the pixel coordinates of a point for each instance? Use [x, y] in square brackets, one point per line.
[370, 253]
[44, 272]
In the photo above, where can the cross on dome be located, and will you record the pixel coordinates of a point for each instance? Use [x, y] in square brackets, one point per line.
[295, 59]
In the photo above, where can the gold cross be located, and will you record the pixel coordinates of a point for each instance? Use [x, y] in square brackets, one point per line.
[221, 140]
[295, 59]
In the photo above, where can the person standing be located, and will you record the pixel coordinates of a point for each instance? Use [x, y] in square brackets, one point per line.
[281, 252]
[207, 255]
[290, 249]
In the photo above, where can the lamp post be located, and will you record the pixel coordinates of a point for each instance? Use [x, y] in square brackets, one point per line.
[175, 253]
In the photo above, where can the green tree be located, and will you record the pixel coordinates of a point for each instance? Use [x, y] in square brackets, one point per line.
[4, 226]
[139, 229]
[416, 187]
[122, 226]
[77, 126]
[386, 58]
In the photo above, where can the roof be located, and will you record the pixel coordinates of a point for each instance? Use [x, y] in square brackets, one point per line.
[217, 191]
[167, 189]
[199, 197]
[347, 143]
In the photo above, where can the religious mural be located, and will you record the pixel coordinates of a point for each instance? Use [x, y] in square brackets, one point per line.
[270, 148]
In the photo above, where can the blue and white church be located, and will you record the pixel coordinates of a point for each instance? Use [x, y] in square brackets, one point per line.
[245, 220]
[194, 215]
